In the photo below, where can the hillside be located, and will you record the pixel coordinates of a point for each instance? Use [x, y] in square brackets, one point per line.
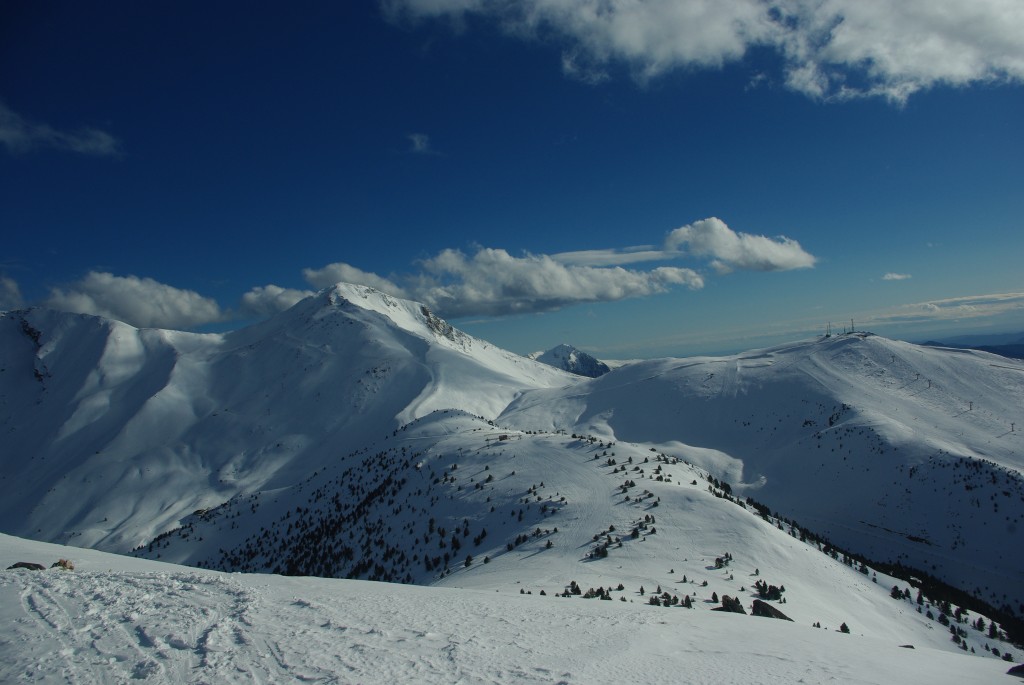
[452, 500]
[902, 453]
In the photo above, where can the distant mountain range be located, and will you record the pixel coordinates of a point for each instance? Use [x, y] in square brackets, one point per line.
[358, 435]
[1005, 345]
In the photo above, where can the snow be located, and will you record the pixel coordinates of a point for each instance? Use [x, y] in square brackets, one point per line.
[339, 437]
[853, 436]
[119, 620]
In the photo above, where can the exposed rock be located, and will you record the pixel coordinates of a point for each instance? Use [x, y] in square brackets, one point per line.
[568, 358]
[731, 604]
[767, 610]
[27, 564]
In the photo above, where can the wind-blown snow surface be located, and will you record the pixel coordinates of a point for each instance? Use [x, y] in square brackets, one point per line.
[118, 620]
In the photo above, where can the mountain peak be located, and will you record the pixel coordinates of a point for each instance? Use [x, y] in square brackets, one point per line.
[568, 358]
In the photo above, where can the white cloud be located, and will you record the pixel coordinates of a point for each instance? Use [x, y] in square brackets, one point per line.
[10, 294]
[950, 309]
[340, 271]
[829, 48]
[710, 238]
[730, 250]
[20, 135]
[895, 277]
[141, 302]
[267, 300]
[494, 282]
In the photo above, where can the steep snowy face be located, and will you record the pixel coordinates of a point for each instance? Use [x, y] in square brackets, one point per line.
[899, 452]
[113, 434]
[568, 358]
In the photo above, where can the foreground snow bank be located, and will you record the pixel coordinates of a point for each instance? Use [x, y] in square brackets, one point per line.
[116, 619]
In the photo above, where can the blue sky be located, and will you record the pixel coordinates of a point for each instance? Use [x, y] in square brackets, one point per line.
[636, 178]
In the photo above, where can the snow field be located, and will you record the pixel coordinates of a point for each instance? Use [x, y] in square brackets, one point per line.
[119, 620]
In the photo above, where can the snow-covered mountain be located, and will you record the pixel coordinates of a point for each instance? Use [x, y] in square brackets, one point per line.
[357, 435]
[568, 358]
[906, 454]
[113, 434]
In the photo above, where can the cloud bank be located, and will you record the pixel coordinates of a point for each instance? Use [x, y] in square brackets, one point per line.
[492, 282]
[895, 277]
[20, 135]
[487, 282]
[141, 302]
[829, 49]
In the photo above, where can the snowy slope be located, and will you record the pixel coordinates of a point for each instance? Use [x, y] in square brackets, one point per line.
[448, 501]
[358, 435]
[112, 434]
[899, 452]
[116, 619]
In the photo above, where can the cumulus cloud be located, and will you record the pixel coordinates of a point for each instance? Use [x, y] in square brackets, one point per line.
[10, 294]
[19, 135]
[730, 250]
[340, 271]
[141, 302]
[707, 238]
[493, 282]
[267, 300]
[828, 48]
[895, 277]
